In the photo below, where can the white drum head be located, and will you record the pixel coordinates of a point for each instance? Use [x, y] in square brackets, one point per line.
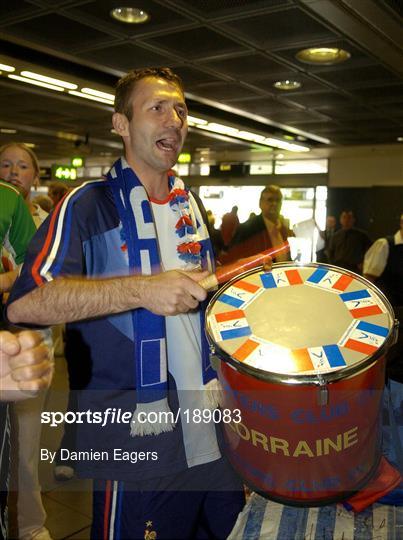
[301, 320]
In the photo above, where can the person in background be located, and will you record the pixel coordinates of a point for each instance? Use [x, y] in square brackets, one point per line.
[269, 229]
[383, 265]
[44, 202]
[16, 352]
[126, 276]
[25, 370]
[56, 192]
[322, 255]
[251, 216]
[229, 225]
[349, 244]
[19, 166]
[215, 234]
[16, 230]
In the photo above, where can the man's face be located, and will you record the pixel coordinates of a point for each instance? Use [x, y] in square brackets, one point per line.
[330, 222]
[157, 130]
[270, 205]
[347, 220]
[17, 168]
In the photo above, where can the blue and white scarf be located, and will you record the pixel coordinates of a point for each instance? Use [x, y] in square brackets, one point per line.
[150, 351]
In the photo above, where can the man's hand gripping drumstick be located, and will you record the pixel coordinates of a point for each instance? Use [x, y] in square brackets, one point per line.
[229, 271]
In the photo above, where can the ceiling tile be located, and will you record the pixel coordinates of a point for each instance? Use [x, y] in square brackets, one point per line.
[205, 43]
[314, 126]
[193, 77]
[370, 124]
[380, 94]
[247, 68]
[396, 6]
[262, 105]
[57, 31]
[346, 112]
[224, 91]
[293, 117]
[286, 27]
[212, 8]
[359, 76]
[394, 111]
[318, 99]
[19, 8]
[126, 57]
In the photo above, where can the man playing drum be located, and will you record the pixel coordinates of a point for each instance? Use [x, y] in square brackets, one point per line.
[120, 260]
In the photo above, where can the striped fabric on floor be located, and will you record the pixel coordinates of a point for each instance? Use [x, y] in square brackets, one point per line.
[267, 520]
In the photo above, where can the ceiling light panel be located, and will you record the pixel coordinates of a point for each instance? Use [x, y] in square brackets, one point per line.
[192, 120]
[49, 80]
[36, 83]
[98, 93]
[130, 15]
[92, 98]
[229, 131]
[287, 85]
[32, 74]
[6, 67]
[326, 56]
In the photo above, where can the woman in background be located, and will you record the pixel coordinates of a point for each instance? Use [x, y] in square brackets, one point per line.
[19, 166]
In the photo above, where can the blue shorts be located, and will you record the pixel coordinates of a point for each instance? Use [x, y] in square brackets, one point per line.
[202, 502]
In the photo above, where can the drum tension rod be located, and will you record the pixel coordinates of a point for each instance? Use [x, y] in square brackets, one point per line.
[323, 393]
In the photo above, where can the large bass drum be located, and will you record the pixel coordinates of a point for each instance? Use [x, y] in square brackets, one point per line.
[301, 359]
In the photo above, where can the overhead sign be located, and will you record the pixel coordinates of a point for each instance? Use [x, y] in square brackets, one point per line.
[77, 161]
[225, 167]
[184, 157]
[64, 172]
[229, 169]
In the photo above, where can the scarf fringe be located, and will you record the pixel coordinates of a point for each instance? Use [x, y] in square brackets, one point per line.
[161, 415]
[213, 394]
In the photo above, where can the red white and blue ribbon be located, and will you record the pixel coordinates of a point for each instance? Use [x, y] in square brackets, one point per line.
[189, 249]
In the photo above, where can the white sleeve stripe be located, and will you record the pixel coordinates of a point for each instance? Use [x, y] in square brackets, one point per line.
[51, 258]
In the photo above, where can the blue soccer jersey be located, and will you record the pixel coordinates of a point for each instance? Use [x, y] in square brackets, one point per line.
[83, 237]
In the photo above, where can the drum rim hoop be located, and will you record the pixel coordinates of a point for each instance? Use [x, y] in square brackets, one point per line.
[313, 379]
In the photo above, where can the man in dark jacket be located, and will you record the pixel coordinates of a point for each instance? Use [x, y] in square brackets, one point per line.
[264, 231]
[348, 245]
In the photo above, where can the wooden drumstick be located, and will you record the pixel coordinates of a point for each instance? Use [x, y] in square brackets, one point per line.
[229, 271]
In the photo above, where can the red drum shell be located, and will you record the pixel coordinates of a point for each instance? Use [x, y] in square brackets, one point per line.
[296, 451]
[311, 437]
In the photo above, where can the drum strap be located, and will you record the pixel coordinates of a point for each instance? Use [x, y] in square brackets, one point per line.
[397, 443]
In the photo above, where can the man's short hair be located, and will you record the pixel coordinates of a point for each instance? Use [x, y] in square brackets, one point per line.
[272, 189]
[125, 86]
[347, 211]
